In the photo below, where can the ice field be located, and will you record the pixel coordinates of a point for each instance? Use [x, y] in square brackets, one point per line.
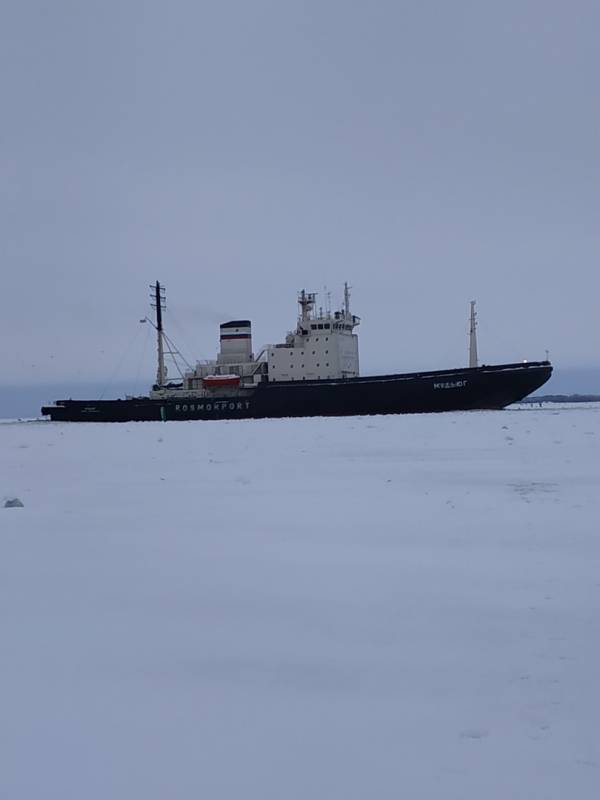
[381, 607]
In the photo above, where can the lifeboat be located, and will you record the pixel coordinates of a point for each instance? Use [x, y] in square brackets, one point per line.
[221, 381]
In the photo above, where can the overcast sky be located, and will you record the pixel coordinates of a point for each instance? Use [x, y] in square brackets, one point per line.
[427, 152]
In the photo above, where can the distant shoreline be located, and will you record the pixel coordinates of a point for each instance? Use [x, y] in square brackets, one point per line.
[562, 398]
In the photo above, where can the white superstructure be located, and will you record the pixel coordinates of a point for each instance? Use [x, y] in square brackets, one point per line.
[322, 347]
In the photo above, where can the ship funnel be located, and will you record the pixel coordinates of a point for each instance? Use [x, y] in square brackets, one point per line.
[236, 342]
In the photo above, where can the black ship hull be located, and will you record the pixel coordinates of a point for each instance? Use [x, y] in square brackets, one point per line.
[487, 387]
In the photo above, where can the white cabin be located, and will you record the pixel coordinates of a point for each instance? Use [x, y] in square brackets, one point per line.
[323, 346]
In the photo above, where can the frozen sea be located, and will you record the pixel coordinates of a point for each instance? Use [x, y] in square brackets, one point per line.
[382, 607]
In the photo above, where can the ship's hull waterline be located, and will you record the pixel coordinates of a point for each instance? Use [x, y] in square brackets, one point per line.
[486, 387]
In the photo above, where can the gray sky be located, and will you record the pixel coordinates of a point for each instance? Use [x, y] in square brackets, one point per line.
[428, 152]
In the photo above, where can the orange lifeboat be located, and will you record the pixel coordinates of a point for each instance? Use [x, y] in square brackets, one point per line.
[221, 381]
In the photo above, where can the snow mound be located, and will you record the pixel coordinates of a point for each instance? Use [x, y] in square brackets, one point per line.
[13, 502]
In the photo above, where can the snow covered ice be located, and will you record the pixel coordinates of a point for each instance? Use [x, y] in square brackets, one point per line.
[375, 607]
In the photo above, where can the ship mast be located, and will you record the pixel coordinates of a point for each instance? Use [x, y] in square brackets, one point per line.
[346, 300]
[473, 362]
[306, 301]
[159, 304]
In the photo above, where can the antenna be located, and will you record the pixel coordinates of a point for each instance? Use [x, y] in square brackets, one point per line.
[159, 303]
[473, 337]
[327, 295]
